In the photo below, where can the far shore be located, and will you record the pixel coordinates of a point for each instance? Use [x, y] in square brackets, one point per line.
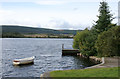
[39, 37]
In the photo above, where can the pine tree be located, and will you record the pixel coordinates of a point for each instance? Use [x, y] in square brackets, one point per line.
[104, 18]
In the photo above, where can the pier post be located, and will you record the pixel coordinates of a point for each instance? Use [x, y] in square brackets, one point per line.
[62, 46]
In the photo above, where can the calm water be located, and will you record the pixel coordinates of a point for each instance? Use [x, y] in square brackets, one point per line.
[48, 56]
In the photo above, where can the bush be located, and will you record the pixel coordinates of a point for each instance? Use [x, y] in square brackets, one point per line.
[84, 41]
[108, 42]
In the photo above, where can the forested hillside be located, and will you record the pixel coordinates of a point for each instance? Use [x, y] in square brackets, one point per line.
[31, 30]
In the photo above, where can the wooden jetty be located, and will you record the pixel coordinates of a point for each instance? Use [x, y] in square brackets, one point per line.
[69, 51]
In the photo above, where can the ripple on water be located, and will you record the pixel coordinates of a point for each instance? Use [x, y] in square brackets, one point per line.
[47, 52]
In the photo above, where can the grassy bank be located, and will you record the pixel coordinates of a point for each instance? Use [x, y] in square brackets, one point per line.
[93, 72]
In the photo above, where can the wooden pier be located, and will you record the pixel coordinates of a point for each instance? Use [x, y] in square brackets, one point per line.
[69, 51]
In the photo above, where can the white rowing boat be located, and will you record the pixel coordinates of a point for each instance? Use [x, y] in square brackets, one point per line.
[24, 61]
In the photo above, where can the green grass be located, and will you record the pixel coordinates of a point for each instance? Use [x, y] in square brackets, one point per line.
[94, 72]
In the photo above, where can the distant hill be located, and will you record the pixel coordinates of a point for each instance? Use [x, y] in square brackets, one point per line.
[31, 30]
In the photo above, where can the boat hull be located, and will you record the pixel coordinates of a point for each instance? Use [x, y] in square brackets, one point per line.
[29, 60]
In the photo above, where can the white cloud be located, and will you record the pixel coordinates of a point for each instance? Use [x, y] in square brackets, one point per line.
[50, 1]
[76, 18]
[51, 20]
[10, 17]
[56, 23]
[4, 14]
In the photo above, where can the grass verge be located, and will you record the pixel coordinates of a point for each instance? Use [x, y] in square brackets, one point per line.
[92, 72]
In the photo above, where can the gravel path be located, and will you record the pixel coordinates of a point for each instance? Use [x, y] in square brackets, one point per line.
[108, 62]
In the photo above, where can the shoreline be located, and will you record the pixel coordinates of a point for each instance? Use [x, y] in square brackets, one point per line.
[105, 63]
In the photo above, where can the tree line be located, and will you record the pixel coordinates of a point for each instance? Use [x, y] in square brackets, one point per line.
[103, 39]
[12, 35]
[21, 35]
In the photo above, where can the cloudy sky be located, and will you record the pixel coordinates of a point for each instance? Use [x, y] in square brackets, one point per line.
[54, 14]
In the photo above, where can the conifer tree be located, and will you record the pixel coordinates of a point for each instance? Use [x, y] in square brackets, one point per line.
[104, 18]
